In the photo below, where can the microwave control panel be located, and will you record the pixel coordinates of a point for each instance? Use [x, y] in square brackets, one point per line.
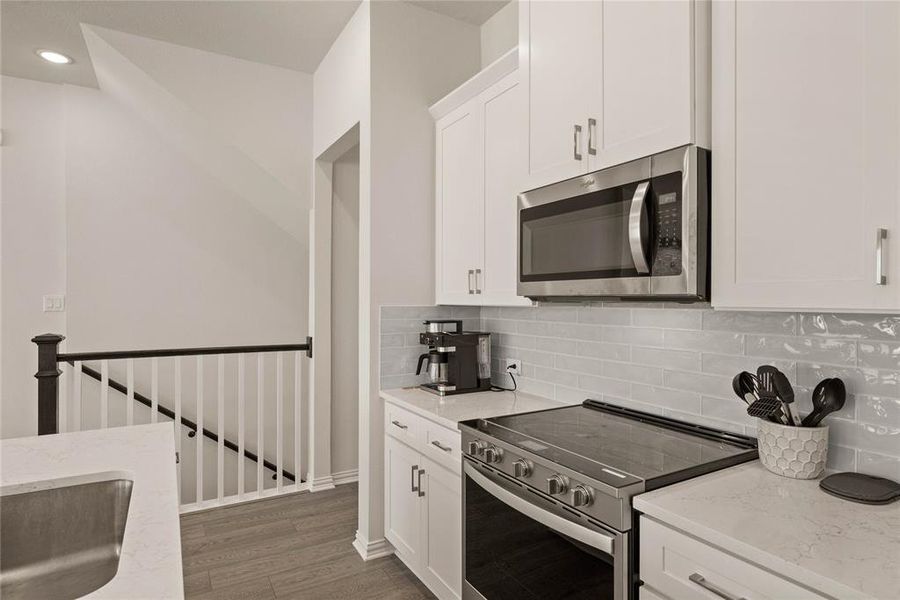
[667, 258]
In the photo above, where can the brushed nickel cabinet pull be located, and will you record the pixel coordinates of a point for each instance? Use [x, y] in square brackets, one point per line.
[702, 582]
[441, 446]
[880, 276]
[399, 424]
[576, 142]
[592, 128]
[412, 478]
[477, 282]
[471, 276]
[421, 493]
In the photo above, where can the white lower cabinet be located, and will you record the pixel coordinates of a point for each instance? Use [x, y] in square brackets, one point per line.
[423, 507]
[676, 566]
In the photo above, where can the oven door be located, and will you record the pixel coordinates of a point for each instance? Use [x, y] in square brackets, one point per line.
[518, 544]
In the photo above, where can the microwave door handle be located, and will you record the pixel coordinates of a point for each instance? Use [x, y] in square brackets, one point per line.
[595, 539]
[635, 232]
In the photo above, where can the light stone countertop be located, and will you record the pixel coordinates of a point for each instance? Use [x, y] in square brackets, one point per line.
[150, 563]
[450, 410]
[788, 526]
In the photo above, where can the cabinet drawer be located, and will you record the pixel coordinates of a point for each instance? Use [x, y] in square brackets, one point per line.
[681, 567]
[403, 424]
[442, 445]
[648, 593]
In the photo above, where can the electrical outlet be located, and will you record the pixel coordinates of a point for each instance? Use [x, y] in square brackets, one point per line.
[54, 303]
[514, 366]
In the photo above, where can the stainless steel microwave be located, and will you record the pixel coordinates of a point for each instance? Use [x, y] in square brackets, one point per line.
[637, 230]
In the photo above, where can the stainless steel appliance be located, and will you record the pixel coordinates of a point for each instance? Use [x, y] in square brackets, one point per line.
[547, 496]
[637, 230]
[458, 361]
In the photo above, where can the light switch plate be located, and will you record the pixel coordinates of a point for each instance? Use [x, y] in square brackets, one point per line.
[54, 303]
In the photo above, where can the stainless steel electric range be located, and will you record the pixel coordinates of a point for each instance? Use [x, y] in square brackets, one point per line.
[547, 496]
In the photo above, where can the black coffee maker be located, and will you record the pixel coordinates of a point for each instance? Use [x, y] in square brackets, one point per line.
[457, 361]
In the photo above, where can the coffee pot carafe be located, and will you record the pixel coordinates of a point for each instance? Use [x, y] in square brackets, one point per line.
[437, 366]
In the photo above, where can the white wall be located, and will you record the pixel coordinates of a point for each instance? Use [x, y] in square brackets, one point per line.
[32, 254]
[500, 33]
[345, 313]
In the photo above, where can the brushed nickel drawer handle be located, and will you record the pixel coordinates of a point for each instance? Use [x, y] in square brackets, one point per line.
[441, 446]
[471, 275]
[576, 142]
[412, 478]
[421, 492]
[399, 424]
[477, 284]
[592, 127]
[702, 582]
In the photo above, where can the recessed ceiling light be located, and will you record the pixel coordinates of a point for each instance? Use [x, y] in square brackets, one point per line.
[54, 57]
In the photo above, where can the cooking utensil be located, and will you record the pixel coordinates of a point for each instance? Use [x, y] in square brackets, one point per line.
[744, 385]
[786, 392]
[766, 376]
[829, 400]
[768, 405]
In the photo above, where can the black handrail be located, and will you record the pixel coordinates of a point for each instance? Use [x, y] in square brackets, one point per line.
[192, 426]
[166, 352]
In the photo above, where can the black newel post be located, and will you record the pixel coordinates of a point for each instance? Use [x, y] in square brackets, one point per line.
[48, 382]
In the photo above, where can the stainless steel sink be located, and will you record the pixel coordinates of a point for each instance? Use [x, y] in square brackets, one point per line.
[62, 542]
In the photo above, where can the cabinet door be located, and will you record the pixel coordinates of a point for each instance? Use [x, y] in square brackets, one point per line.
[560, 62]
[807, 147]
[402, 505]
[442, 531]
[505, 171]
[459, 208]
[648, 79]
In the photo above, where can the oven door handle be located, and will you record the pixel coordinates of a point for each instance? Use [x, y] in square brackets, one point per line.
[636, 229]
[601, 541]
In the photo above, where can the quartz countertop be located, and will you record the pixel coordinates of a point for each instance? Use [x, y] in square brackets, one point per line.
[450, 410]
[150, 561]
[791, 527]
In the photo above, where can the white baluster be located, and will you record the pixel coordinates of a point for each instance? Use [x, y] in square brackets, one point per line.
[297, 418]
[199, 436]
[260, 421]
[279, 417]
[62, 407]
[241, 399]
[178, 422]
[129, 407]
[76, 396]
[220, 445]
[154, 389]
[104, 394]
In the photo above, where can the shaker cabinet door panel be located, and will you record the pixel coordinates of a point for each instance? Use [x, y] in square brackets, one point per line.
[442, 529]
[807, 149]
[402, 506]
[648, 85]
[460, 205]
[505, 170]
[560, 52]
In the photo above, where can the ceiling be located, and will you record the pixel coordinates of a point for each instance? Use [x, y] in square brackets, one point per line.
[474, 12]
[294, 35]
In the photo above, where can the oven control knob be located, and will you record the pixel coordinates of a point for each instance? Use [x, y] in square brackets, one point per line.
[493, 454]
[557, 484]
[522, 468]
[582, 495]
[475, 448]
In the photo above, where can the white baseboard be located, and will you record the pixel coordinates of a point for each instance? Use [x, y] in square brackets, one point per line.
[320, 484]
[348, 476]
[372, 550]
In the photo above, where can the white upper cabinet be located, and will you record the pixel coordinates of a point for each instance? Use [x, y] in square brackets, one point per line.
[650, 81]
[460, 205]
[806, 155]
[481, 135]
[558, 47]
[610, 81]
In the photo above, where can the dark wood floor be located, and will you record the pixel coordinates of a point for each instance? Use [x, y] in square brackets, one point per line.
[296, 546]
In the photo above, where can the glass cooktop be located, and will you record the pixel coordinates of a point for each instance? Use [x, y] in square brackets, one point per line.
[597, 438]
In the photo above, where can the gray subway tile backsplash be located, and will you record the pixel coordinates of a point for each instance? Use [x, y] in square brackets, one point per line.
[678, 360]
